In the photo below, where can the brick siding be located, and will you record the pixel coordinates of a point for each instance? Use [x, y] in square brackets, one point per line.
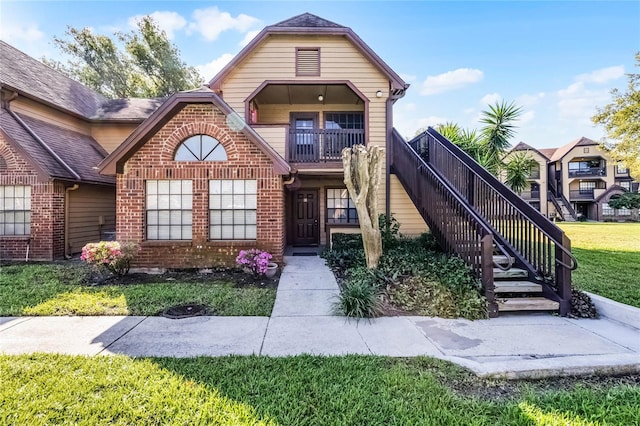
[154, 160]
[47, 211]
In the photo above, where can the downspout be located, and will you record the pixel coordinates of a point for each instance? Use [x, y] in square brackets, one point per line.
[67, 190]
[389, 156]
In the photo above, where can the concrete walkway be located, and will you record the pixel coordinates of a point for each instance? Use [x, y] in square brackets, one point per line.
[514, 346]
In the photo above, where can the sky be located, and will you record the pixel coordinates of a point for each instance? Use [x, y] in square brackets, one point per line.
[557, 60]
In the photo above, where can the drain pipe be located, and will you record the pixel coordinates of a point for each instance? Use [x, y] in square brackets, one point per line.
[67, 191]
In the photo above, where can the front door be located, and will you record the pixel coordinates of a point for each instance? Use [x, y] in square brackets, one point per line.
[305, 217]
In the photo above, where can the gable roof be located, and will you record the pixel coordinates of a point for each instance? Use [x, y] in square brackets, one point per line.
[25, 74]
[308, 24]
[548, 152]
[521, 146]
[53, 151]
[564, 150]
[114, 163]
[30, 77]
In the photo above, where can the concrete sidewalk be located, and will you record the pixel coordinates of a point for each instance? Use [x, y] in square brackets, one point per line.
[514, 346]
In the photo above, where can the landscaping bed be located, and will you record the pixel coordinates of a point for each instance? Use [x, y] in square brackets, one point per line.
[72, 288]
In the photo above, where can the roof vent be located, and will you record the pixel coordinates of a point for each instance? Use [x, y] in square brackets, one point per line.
[307, 61]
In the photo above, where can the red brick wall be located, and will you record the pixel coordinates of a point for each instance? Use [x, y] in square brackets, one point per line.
[155, 161]
[47, 211]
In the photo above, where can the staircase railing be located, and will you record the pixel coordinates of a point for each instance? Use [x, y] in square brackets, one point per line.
[555, 203]
[568, 206]
[539, 245]
[456, 227]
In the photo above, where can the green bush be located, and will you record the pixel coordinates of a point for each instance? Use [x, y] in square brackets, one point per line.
[389, 230]
[358, 299]
[342, 242]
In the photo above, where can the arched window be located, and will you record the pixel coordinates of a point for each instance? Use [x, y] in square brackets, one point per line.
[201, 148]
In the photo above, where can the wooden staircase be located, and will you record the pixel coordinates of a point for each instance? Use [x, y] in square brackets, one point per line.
[523, 261]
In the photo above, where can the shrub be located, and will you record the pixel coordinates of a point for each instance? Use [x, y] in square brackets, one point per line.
[342, 242]
[113, 256]
[389, 230]
[358, 299]
[254, 260]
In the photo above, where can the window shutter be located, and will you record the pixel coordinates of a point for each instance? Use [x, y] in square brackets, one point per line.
[308, 62]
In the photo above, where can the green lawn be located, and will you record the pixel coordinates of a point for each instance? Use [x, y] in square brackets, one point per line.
[353, 390]
[609, 259]
[58, 290]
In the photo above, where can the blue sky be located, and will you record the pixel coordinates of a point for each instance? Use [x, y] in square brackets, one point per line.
[558, 60]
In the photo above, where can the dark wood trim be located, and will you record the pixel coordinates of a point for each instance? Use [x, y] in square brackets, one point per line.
[291, 214]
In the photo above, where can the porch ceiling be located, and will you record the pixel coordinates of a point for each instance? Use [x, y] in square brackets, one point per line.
[307, 94]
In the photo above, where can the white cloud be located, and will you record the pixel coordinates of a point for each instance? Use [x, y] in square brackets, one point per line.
[451, 80]
[490, 98]
[602, 75]
[576, 102]
[248, 37]
[432, 121]
[408, 77]
[170, 22]
[527, 117]
[211, 22]
[527, 100]
[209, 70]
[13, 32]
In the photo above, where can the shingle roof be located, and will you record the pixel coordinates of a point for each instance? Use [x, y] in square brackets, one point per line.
[521, 146]
[78, 151]
[22, 72]
[127, 109]
[27, 75]
[307, 20]
[548, 152]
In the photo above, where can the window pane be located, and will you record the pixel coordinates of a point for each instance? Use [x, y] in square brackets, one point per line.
[238, 232]
[251, 201]
[164, 217]
[215, 202]
[227, 217]
[238, 187]
[152, 218]
[238, 217]
[164, 233]
[163, 187]
[250, 232]
[152, 202]
[227, 232]
[238, 201]
[216, 232]
[175, 187]
[175, 217]
[251, 217]
[186, 202]
[215, 217]
[227, 202]
[251, 186]
[215, 187]
[227, 186]
[187, 217]
[163, 201]
[175, 232]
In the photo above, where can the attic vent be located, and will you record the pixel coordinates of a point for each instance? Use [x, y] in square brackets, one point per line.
[3, 164]
[307, 61]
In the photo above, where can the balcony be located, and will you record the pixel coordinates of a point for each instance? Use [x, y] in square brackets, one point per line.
[588, 172]
[530, 195]
[321, 145]
[583, 194]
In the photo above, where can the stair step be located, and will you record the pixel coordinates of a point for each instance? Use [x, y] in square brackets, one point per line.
[517, 287]
[502, 259]
[511, 273]
[527, 304]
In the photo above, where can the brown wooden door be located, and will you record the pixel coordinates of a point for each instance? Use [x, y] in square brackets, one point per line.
[305, 217]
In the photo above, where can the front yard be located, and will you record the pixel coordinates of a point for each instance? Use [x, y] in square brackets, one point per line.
[352, 390]
[609, 259]
[54, 289]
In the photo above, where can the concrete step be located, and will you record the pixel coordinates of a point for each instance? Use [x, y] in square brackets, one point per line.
[511, 273]
[517, 287]
[502, 259]
[526, 304]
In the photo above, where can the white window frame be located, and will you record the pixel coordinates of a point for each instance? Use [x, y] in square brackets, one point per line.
[169, 210]
[15, 210]
[233, 208]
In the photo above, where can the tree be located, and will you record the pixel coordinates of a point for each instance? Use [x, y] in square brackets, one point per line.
[362, 167]
[497, 132]
[150, 65]
[627, 200]
[621, 120]
[518, 169]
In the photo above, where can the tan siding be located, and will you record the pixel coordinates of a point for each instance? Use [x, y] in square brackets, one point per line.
[110, 136]
[274, 59]
[578, 152]
[275, 136]
[49, 115]
[403, 209]
[280, 113]
[86, 205]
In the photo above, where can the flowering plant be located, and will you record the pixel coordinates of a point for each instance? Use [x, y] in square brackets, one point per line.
[254, 260]
[110, 255]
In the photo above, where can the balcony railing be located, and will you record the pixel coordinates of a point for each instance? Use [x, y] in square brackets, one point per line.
[592, 171]
[583, 194]
[530, 195]
[534, 174]
[322, 145]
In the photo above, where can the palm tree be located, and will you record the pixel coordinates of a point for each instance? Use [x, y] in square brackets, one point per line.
[518, 169]
[498, 130]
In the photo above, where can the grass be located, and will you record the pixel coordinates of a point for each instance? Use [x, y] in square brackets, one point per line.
[353, 390]
[609, 259]
[58, 290]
